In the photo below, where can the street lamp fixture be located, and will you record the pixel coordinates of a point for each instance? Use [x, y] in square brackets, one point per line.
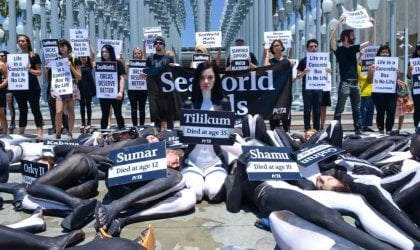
[373, 4]
[289, 7]
[276, 20]
[327, 6]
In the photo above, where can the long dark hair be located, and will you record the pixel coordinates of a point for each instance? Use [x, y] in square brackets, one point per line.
[111, 51]
[216, 92]
[415, 55]
[28, 41]
[88, 62]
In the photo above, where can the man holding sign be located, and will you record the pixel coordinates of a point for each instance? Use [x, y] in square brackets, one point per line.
[346, 57]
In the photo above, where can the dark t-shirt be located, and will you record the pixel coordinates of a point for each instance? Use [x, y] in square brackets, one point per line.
[120, 72]
[347, 61]
[33, 79]
[301, 67]
[253, 60]
[158, 61]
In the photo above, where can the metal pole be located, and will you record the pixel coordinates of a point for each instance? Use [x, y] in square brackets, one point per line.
[406, 37]
[134, 28]
[29, 23]
[392, 26]
[307, 12]
[11, 44]
[92, 33]
[201, 14]
[82, 14]
[54, 19]
[43, 21]
[68, 22]
[318, 20]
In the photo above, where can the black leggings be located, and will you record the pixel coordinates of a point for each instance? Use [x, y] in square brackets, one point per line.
[71, 180]
[416, 114]
[385, 103]
[86, 102]
[138, 99]
[105, 107]
[275, 199]
[22, 99]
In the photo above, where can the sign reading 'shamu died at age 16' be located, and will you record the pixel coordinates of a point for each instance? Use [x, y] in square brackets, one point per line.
[18, 71]
[137, 163]
[207, 127]
[136, 81]
[106, 78]
[270, 163]
[32, 170]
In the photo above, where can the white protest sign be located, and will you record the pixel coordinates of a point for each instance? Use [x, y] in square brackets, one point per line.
[79, 39]
[368, 58]
[150, 33]
[18, 72]
[317, 63]
[358, 19]
[328, 84]
[211, 39]
[415, 63]
[117, 44]
[61, 79]
[239, 53]
[135, 79]
[50, 50]
[106, 79]
[284, 35]
[385, 76]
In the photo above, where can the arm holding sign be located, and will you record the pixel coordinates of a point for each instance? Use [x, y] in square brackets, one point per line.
[333, 42]
[75, 70]
[3, 70]
[37, 71]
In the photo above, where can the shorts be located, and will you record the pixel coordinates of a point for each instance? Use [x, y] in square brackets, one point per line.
[400, 109]
[326, 99]
[3, 97]
[74, 96]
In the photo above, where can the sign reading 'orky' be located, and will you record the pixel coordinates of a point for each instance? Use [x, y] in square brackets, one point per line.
[32, 170]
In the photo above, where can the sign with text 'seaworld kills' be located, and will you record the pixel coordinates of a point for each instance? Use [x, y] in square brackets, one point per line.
[32, 170]
[315, 153]
[271, 163]
[137, 163]
[106, 78]
[136, 81]
[18, 75]
[207, 127]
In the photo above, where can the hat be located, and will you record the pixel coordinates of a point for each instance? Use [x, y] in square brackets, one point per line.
[159, 39]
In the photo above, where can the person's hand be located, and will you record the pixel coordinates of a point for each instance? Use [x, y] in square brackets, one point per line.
[328, 70]
[372, 67]
[244, 158]
[171, 64]
[372, 20]
[119, 96]
[341, 19]
[391, 170]
[363, 170]
[232, 138]
[400, 83]
[53, 94]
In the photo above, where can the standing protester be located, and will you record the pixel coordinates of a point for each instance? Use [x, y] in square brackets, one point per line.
[33, 94]
[312, 98]
[9, 96]
[87, 90]
[367, 107]
[346, 57]
[108, 55]
[3, 90]
[137, 98]
[416, 97]
[64, 50]
[162, 104]
[253, 62]
[385, 103]
[276, 49]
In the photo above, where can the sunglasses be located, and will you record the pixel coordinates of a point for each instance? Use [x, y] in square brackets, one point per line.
[158, 43]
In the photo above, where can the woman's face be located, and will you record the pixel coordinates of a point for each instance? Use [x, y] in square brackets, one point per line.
[137, 54]
[277, 47]
[384, 52]
[83, 59]
[64, 50]
[207, 79]
[105, 54]
[23, 44]
[329, 183]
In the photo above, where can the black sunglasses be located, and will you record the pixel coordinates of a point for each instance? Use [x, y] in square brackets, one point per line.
[156, 43]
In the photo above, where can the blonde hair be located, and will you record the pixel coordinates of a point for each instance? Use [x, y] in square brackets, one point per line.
[201, 48]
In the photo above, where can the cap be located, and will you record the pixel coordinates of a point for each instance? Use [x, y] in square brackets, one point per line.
[159, 39]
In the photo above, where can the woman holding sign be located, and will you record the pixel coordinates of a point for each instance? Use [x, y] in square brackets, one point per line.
[137, 98]
[33, 94]
[385, 102]
[108, 55]
[204, 166]
[3, 89]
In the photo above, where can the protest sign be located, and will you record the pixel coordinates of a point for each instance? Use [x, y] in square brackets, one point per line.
[136, 81]
[271, 163]
[211, 39]
[368, 58]
[116, 44]
[314, 153]
[358, 19]
[316, 62]
[198, 58]
[415, 63]
[207, 127]
[18, 71]
[328, 84]
[32, 170]
[50, 50]
[106, 79]
[79, 39]
[385, 75]
[284, 35]
[239, 58]
[137, 163]
[61, 78]
[149, 34]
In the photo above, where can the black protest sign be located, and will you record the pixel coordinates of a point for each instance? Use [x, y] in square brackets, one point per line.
[315, 153]
[32, 170]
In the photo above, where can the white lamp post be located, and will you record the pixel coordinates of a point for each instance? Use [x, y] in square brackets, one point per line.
[276, 21]
[22, 6]
[282, 17]
[373, 6]
[36, 11]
